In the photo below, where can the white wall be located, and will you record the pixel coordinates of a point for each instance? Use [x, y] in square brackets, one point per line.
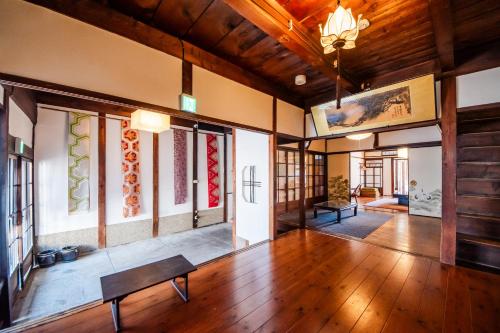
[222, 98]
[357, 158]
[20, 125]
[478, 88]
[51, 175]
[425, 170]
[310, 129]
[252, 219]
[114, 178]
[55, 48]
[411, 135]
[290, 119]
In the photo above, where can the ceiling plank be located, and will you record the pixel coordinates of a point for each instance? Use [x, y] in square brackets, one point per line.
[442, 22]
[273, 19]
[108, 19]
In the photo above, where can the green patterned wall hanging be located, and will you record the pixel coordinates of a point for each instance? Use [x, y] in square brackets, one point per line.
[78, 163]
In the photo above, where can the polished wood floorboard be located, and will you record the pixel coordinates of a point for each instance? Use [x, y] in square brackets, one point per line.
[306, 281]
[409, 233]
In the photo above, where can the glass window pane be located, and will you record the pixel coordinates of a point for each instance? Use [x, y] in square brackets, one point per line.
[281, 156]
[282, 169]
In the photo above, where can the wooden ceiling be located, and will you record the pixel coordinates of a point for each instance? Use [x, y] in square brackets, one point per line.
[250, 34]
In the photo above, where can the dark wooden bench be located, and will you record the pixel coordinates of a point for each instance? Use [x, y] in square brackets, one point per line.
[115, 287]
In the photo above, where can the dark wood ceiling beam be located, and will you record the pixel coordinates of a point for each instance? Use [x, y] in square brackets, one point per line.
[273, 19]
[442, 22]
[98, 15]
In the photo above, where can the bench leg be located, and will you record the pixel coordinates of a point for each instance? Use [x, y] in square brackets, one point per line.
[115, 310]
[315, 213]
[356, 211]
[183, 293]
[339, 216]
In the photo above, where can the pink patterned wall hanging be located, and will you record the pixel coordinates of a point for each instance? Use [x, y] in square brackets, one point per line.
[213, 171]
[130, 170]
[180, 166]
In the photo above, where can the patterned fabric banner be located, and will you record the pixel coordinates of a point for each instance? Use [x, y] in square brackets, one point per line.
[213, 171]
[78, 163]
[130, 170]
[180, 166]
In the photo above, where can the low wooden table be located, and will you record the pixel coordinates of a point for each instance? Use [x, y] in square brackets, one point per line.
[115, 287]
[337, 206]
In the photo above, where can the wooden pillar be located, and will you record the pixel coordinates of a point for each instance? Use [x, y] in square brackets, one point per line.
[5, 309]
[225, 218]
[195, 176]
[273, 169]
[302, 186]
[156, 155]
[101, 195]
[233, 172]
[449, 144]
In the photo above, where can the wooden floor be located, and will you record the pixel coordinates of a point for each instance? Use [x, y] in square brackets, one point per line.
[410, 233]
[310, 282]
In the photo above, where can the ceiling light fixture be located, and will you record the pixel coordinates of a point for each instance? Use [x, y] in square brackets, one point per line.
[340, 32]
[359, 137]
[300, 80]
[149, 121]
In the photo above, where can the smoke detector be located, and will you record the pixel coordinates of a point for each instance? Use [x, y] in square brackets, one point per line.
[300, 79]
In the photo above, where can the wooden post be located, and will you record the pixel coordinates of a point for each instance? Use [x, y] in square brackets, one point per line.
[101, 195]
[225, 179]
[449, 144]
[302, 186]
[273, 169]
[195, 176]
[4, 160]
[234, 188]
[156, 218]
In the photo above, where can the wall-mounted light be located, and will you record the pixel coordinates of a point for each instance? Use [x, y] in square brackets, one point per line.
[359, 137]
[149, 121]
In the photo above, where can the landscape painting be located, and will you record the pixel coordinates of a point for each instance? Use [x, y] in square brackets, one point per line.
[405, 102]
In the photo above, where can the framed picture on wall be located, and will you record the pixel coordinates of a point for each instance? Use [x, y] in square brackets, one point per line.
[401, 103]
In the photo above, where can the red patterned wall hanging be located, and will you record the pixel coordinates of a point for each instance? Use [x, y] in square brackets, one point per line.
[213, 171]
[130, 170]
[180, 166]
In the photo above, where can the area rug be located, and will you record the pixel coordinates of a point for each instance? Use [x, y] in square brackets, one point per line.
[130, 170]
[78, 163]
[213, 171]
[359, 226]
[387, 203]
[180, 166]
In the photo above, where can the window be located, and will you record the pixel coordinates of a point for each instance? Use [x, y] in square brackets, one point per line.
[315, 175]
[281, 176]
[12, 239]
[372, 173]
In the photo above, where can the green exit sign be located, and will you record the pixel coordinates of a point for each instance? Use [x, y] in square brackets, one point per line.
[188, 103]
